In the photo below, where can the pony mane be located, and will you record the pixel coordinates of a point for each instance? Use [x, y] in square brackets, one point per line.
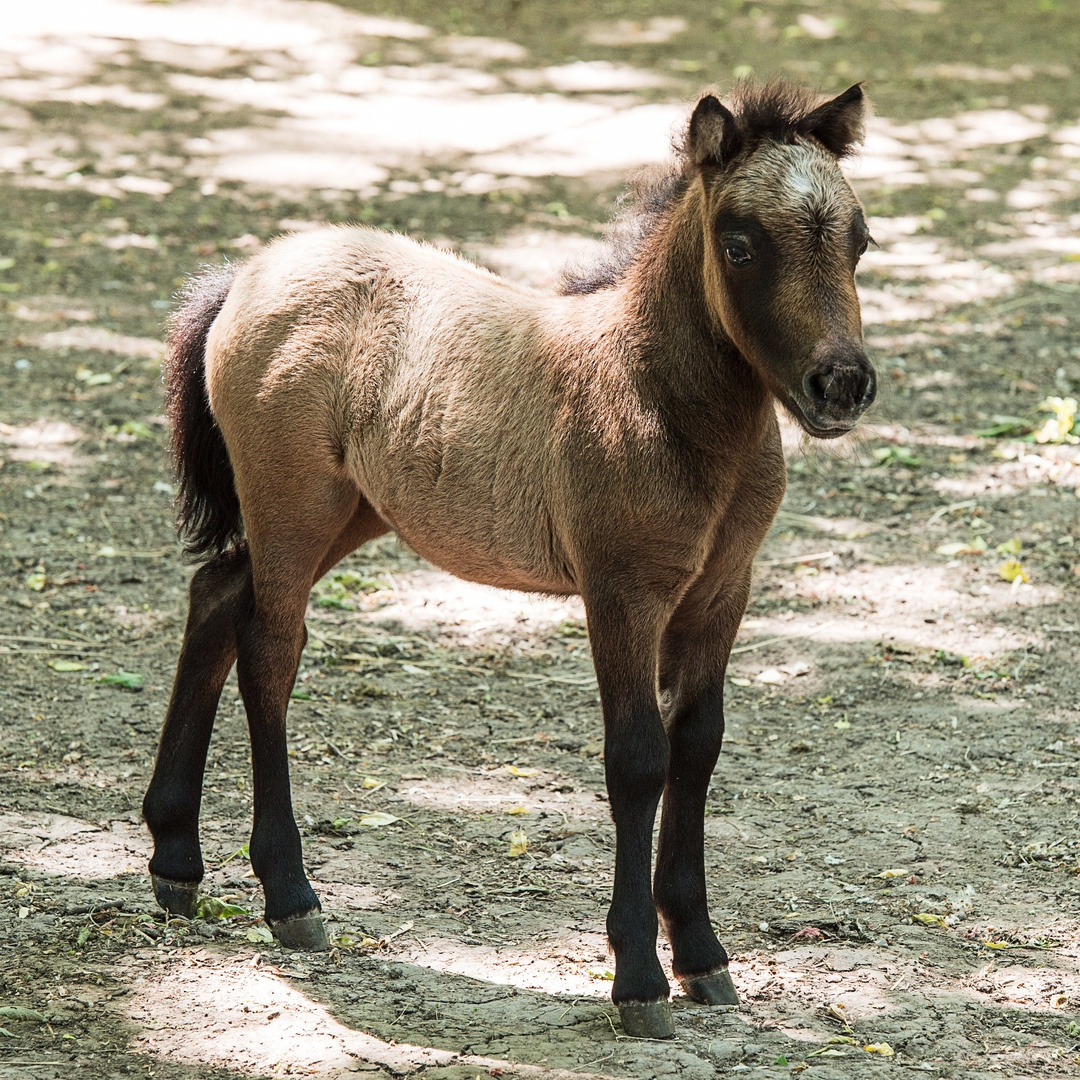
[773, 111]
[638, 211]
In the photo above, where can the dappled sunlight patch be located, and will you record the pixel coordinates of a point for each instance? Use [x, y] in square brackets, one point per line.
[535, 257]
[587, 76]
[469, 613]
[280, 25]
[527, 796]
[67, 847]
[573, 964]
[219, 1013]
[54, 309]
[463, 47]
[44, 440]
[628, 32]
[614, 141]
[933, 607]
[100, 339]
[951, 279]
[1017, 468]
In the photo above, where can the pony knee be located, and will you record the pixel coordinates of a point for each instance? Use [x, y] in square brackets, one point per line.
[636, 770]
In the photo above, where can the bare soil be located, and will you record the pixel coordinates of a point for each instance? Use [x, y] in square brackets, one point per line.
[893, 848]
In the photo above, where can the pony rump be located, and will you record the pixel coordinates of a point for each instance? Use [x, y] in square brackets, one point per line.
[208, 509]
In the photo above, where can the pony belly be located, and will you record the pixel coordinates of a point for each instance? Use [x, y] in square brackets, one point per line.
[467, 537]
[499, 573]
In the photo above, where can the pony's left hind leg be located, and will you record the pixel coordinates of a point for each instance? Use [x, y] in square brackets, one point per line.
[286, 562]
[220, 592]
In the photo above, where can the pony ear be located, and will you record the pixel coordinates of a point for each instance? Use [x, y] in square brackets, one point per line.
[713, 137]
[838, 124]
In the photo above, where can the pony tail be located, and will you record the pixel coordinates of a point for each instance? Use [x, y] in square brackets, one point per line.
[208, 509]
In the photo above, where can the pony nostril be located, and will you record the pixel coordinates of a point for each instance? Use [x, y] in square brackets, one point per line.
[820, 388]
[869, 391]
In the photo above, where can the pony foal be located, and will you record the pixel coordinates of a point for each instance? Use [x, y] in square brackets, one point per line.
[616, 439]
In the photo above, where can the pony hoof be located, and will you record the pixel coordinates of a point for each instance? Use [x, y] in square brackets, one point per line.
[305, 932]
[647, 1020]
[176, 897]
[715, 988]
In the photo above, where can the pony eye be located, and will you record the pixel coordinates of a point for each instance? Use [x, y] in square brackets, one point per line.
[738, 254]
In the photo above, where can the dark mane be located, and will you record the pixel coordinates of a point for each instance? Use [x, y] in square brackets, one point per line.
[649, 196]
[776, 111]
[773, 111]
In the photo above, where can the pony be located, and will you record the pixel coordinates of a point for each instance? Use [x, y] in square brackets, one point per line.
[615, 438]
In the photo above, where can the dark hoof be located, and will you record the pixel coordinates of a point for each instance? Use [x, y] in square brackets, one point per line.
[716, 988]
[176, 897]
[304, 932]
[647, 1020]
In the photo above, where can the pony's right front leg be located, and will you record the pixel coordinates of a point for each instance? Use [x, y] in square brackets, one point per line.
[624, 641]
[219, 595]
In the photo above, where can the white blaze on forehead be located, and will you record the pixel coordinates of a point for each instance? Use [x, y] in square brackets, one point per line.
[799, 181]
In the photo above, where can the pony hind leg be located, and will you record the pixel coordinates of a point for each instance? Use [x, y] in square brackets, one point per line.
[286, 561]
[219, 597]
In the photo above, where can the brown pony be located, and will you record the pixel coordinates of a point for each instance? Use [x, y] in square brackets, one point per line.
[616, 439]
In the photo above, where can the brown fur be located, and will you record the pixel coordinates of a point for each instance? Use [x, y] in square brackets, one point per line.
[618, 441]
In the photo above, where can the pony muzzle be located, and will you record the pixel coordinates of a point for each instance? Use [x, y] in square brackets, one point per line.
[836, 393]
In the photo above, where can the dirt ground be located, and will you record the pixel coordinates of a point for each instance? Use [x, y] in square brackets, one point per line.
[893, 847]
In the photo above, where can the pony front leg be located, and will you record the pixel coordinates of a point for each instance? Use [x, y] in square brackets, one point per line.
[635, 763]
[695, 651]
[699, 961]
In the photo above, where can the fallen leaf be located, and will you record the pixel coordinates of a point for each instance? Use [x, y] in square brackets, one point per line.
[1011, 570]
[125, 680]
[517, 810]
[603, 973]
[377, 820]
[66, 665]
[513, 770]
[795, 668]
[519, 843]
[35, 582]
[927, 918]
[739, 682]
[210, 907]
[259, 934]
[886, 874]
[882, 1048]
[772, 676]
[18, 1012]
[963, 547]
